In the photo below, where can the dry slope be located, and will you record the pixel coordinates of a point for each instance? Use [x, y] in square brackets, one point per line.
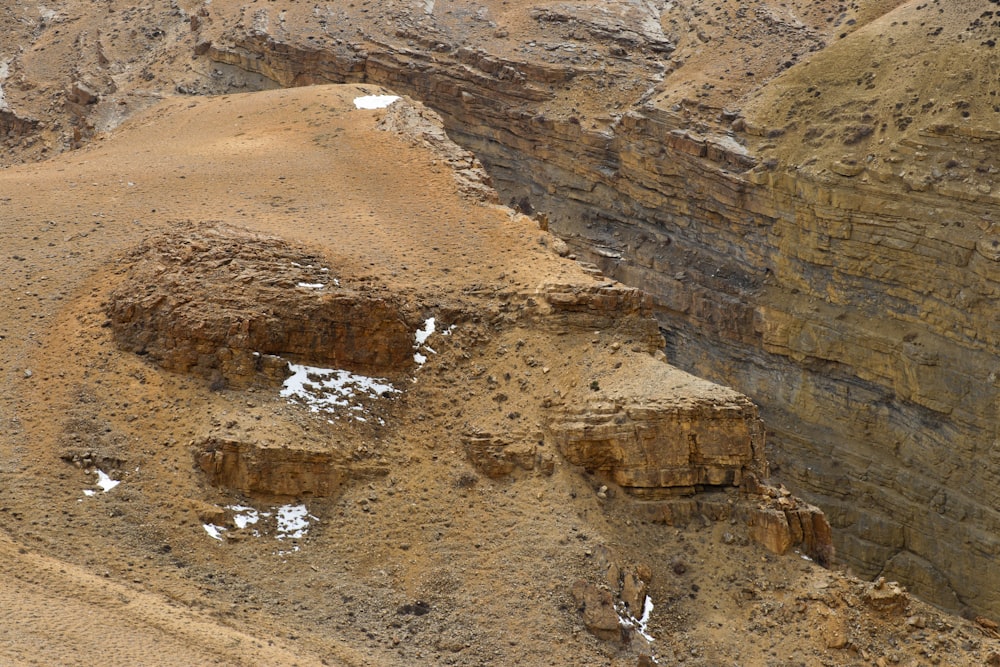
[427, 553]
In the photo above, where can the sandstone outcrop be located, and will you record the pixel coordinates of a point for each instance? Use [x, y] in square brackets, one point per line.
[676, 448]
[258, 469]
[500, 456]
[177, 306]
[852, 304]
[398, 566]
[673, 441]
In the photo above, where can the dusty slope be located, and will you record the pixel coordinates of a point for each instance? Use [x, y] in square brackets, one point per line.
[908, 96]
[431, 563]
[40, 94]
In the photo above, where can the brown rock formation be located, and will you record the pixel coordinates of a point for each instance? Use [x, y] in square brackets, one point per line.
[177, 305]
[260, 470]
[395, 570]
[835, 261]
[673, 439]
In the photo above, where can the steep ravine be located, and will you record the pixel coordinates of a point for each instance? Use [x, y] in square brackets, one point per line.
[855, 310]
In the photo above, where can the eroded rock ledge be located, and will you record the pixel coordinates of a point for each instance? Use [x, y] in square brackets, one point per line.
[233, 307]
[854, 303]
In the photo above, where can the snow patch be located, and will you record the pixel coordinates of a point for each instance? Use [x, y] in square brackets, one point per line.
[329, 390]
[420, 346]
[374, 101]
[287, 522]
[244, 516]
[215, 532]
[105, 482]
[640, 624]
[293, 521]
[423, 334]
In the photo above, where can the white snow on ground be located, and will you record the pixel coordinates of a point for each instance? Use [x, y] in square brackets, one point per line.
[420, 345]
[374, 101]
[423, 334]
[327, 390]
[293, 521]
[287, 522]
[244, 516]
[647, 609]
[105, 482]
[640, 624]
[213, 530]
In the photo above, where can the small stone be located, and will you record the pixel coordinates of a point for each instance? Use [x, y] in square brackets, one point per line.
[28, 373]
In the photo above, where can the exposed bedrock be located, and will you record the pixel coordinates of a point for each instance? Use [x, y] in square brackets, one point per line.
[258, 469]
[858, 313]
[177, 306]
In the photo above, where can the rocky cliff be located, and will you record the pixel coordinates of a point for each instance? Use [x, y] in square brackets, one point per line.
[845, 284]
[806, 189]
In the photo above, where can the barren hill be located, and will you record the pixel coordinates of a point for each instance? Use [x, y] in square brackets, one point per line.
[359, 413]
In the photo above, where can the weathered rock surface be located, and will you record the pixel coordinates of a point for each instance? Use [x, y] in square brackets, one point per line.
[500, 456]
[428, 543]
[675, 447]
[854, 306]
[597, 607]
[425, 128]
[177, 306]
[674, 439]
[258, 469]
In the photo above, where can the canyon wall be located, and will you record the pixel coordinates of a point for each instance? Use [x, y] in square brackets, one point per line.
[855, 308]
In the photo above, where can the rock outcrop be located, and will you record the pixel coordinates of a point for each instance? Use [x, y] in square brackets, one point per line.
[177, 305]
[674, 439]
[849, 295]
[675, 448]
[258, 469]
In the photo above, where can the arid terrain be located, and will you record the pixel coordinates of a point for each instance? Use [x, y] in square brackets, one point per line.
[287, 383]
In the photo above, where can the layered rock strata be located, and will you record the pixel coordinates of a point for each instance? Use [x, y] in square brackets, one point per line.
[260, 470]
[852, 303]
[233, 307]
[673, 440]
[669, 447]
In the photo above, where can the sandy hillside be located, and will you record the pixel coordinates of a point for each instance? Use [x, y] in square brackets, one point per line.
[417, 557]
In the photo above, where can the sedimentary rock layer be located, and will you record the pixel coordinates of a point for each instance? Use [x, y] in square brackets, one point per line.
[854, 305]
[177, 305]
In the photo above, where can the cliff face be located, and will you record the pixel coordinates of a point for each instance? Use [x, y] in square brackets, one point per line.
[806, 189]
[849, 298]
